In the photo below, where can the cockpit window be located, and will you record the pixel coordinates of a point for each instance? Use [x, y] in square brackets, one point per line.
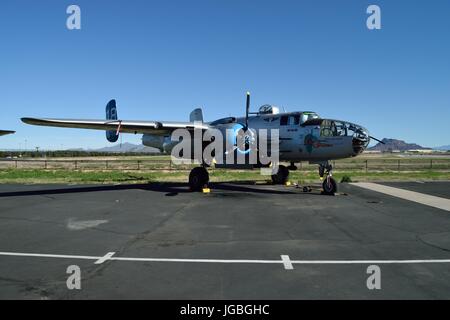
[328, 128]
[294, 120]
[308, 116]
[341, 128]
[290, 120]
[335, 128]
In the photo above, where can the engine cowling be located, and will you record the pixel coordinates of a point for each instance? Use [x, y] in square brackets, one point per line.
[163, 143]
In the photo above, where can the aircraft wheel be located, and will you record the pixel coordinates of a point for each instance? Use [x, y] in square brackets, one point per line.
[198, 178]
[281, 177]
[329, 186]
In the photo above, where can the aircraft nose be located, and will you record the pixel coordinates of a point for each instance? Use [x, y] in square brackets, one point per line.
[361, 139]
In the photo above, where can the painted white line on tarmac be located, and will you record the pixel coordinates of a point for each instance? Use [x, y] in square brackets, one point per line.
[45, 255]
[285, 261]
[426, 199]
[197, 260]
[370, 261]
[105, 258]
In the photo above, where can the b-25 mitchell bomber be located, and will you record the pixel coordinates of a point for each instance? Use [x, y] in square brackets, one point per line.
[303, 136]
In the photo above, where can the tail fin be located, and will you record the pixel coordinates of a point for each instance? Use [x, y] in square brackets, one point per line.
[111, 114]
[196, 115]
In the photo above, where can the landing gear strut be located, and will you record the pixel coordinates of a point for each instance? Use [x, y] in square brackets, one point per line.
[198, 178]
[329, 184]
[292, 166]
[281, 177]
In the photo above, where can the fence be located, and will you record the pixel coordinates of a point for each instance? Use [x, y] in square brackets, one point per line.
[354, 164]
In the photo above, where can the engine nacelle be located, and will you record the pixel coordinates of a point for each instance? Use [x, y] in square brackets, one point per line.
[153, 141]
[163, 143]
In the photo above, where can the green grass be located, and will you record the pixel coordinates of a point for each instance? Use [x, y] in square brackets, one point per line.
[116, 176]
[346, 179]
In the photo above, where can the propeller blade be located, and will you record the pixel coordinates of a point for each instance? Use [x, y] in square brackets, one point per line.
[377, 140]
[247, 108]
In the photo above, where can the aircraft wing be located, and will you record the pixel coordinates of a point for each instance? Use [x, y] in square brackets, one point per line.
[127, 126]
[5, 132]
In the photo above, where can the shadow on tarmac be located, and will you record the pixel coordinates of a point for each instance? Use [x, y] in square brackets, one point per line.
[169, 188]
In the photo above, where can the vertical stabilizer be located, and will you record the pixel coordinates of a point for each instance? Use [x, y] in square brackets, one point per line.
[111, 114]
[196, 115]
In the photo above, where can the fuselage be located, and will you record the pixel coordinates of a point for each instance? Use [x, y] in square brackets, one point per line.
[303, 135]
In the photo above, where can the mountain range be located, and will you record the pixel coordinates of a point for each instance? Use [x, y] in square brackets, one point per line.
[442, 148]
[395, 144]
[123, 148]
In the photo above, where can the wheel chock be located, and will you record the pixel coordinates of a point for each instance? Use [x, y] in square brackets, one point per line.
[206, 190]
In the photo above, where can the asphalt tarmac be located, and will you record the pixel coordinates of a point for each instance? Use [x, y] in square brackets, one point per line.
[227, 244]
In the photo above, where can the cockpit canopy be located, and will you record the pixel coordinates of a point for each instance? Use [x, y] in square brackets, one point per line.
[335, 128]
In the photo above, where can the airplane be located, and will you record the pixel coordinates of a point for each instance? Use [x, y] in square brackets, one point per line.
[303, 136]
[5, 132]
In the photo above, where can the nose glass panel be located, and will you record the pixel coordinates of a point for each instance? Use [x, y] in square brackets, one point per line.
[360, 139]
[335, 128]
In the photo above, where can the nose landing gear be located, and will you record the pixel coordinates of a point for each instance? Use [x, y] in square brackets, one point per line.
[198, 178]
[329, 185]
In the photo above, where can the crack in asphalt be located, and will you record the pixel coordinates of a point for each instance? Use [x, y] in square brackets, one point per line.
[419, 237]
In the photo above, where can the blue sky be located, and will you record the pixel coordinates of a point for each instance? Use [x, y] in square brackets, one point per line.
[161, 59]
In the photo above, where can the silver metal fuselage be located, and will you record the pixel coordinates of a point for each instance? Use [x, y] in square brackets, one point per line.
[318, 141]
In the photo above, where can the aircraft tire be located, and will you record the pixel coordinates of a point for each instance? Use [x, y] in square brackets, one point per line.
[281, 177]
[329, 186]
[198, 178]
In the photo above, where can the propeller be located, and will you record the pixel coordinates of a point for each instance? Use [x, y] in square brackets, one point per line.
[248, 135]
[377, 140]
[247, 107]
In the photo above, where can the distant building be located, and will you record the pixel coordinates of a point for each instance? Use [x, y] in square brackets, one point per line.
[421, 151]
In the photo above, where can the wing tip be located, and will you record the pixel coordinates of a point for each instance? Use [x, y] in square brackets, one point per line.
[28, 120]
[5, 132]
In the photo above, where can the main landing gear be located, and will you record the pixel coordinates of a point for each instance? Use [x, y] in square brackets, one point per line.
[198, 178]
[329, 185]
[281, 177]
